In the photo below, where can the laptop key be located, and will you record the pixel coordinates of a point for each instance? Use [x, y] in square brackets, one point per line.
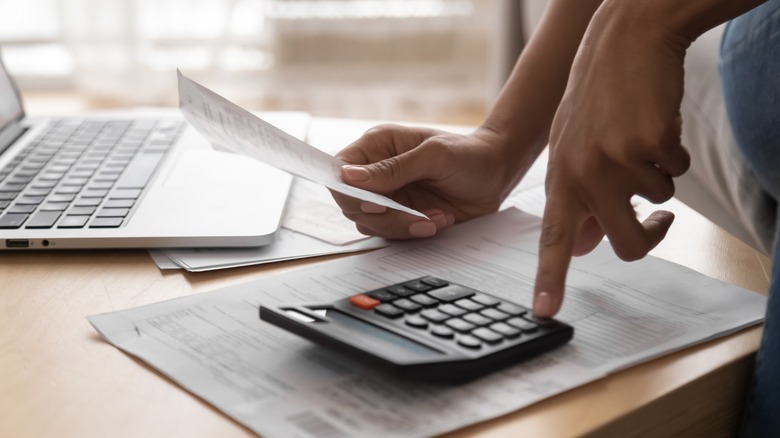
[125, 194]
[81, 211]
[43, 219]
[106, 222]
[113, 212]
[55, 206]
[26, 209]
[12, 220]
[73, 222]
[119, 203]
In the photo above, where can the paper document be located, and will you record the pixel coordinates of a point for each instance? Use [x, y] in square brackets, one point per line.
[312, 226]
[231, 128]
[279, 385]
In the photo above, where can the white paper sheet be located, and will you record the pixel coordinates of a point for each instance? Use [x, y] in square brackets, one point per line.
[231, 128]
[279, 385]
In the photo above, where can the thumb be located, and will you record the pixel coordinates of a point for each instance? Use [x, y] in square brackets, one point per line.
[388, 175]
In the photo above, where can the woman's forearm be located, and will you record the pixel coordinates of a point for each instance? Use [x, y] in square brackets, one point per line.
[525, 107]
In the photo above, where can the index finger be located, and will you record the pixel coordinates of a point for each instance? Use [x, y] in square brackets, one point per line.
[560, 226]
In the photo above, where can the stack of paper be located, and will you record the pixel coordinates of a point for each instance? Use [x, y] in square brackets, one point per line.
[215, 346]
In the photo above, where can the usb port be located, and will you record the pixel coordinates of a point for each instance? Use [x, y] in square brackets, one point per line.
[17, 243]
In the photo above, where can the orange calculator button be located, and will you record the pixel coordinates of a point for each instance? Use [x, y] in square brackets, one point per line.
[364, 301]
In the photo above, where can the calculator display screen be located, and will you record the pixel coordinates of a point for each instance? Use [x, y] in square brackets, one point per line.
[381, 338]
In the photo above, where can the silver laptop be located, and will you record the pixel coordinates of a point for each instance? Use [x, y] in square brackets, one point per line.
[123, 182]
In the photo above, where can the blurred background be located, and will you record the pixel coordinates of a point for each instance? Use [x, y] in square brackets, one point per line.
[411, 60]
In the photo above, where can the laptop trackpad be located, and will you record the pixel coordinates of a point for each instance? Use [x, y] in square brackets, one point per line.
[211, 169]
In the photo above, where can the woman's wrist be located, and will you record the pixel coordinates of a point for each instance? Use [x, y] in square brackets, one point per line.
[513, 154]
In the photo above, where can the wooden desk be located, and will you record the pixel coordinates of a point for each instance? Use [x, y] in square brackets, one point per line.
[58, 378]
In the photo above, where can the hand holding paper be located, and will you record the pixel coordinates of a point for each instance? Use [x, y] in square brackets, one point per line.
[230, 128]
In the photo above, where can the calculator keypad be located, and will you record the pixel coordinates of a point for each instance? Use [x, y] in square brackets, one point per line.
[469, 318]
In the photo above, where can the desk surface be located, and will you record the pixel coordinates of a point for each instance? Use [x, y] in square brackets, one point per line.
[57, 377]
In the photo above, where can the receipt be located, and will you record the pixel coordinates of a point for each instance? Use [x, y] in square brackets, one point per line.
[231, 128]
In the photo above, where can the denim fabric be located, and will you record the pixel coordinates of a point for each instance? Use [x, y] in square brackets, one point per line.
[750, 71]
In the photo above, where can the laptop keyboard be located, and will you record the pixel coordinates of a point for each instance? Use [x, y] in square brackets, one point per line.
[83, 173]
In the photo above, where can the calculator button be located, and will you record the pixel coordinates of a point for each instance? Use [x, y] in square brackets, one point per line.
[459, 325]
[451, 309]
[505, 329]
[424, 300]
[399, 290]
[522, 324]
[494, 314]
[407, 305]
[417, 286]
[477, 319]
[469, 341]
[382, 295]
[434, 282]
[364, 301]
[485, 300]
[452, 293]
[469, 305]
[442, 331]
[416, 321]
[487, 335]
[539, 321]
[434, 315]
[388, 310]
[512, 309]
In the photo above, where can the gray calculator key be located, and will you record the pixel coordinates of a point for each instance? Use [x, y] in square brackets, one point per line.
[434, 282]
[477, 319]
[522, 324]
[407, 305]
[416, 321]
[442, 331]
[494, 314]
[512, 309]
[487, 335]
[505, 329]
[451, 309]
[417, 286]
[434, 315]
[469, 305]
[485, 300]
[388, 310]
[452, 293]
[424, 300]
[382, 295]
[539, 321]
[400, 290]
[459, 325]
[469, 341]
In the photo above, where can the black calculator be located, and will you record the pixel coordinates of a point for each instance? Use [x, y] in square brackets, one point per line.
[427, 328]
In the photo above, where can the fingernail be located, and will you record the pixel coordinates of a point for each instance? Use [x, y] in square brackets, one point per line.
[543, 305]
[355, 173]
[370, 207]
[440, 219]
[422, 229]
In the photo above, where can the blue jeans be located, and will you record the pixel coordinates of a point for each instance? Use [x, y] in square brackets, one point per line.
[750, 72]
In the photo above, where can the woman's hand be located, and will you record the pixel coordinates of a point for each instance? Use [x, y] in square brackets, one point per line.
[616, 134]
[449, 177]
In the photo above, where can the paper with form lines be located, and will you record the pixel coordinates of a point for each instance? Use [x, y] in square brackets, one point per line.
[281, 385]
[231, 128]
